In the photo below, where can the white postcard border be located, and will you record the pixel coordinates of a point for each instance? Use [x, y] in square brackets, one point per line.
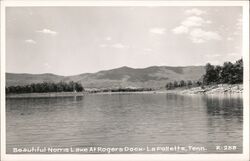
[123, 157]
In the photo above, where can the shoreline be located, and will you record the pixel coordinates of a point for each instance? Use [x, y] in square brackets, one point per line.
[206, 90]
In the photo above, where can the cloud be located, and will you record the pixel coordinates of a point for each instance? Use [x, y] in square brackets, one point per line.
[199, 35]
[193, 26]
[119, 46]
[108, 38]
[103, 45]
[195, 11]
[158, 30]
[47, 31]
[148, 49]
[189, 23]
[194, 21]
[30, 41]
[180, 30]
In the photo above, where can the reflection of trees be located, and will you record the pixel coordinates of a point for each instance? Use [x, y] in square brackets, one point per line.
[224, 120]
[227, 107]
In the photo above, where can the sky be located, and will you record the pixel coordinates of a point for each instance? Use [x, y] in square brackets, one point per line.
[75, 40]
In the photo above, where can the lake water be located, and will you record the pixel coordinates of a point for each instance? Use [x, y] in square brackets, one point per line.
[127, 120]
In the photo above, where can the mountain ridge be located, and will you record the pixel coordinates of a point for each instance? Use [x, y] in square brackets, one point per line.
[150, 77]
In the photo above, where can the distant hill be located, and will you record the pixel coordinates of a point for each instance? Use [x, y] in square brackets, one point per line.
[13, 79]
[153, 77]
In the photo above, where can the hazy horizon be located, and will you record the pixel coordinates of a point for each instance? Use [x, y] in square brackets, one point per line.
[74, 40]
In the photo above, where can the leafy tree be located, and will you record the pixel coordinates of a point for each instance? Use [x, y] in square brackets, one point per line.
[198, 83]
[230, 73]
[169, 85]
[210, 76]
[189, 83]
[175, 84]
[182, 83]
[238, 69]
[217, 71]
[227, 73]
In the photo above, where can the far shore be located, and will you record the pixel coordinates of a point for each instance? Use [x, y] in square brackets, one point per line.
[207, 90]
[211, 89]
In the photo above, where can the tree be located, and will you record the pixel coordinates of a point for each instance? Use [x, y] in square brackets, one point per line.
[189, 83]
[46, 87]
[182, 83]
[227, 73]
[198, 83]
[217, 71]
[175, 84]
[210, 76]
[169, 85]
[79, 87]
[238, 69]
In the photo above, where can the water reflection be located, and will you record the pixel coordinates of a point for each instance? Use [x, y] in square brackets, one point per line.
[229, 107]
[125, 120]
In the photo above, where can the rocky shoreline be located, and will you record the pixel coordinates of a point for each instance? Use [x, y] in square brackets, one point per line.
[215, 89]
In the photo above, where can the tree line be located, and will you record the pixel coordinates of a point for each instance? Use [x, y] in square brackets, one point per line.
[228, 73]
[182, 83]
[46, 87]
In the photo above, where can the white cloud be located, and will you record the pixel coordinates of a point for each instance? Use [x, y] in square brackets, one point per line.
[108, 38]
[180, 30]
[193, 27]
[194, 21]
[158, 30]
[189, 22]
[103, 45]
[199, 35]
[30, 41]
[47, 31]
[148, 49]
[119, 46]
[195, 11]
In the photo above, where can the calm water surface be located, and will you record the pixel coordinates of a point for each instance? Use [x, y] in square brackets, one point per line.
[137, 120]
